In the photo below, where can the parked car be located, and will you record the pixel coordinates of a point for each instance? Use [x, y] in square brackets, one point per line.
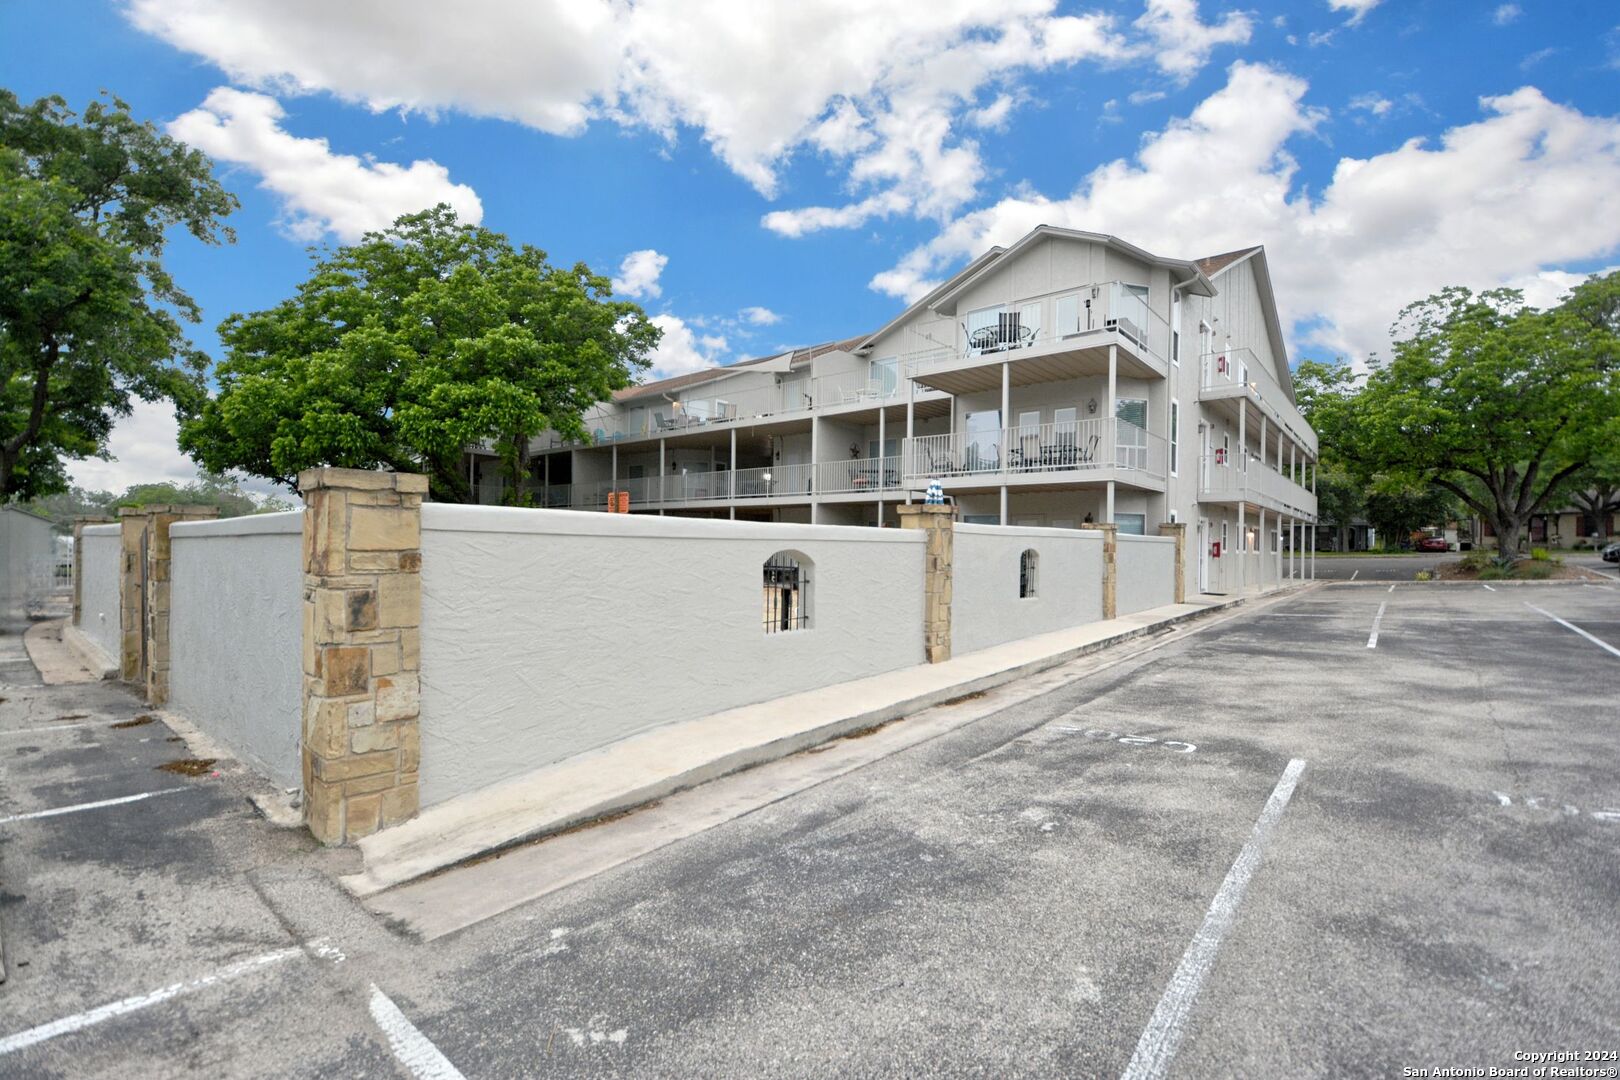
[1433, 543]
[1612, 553]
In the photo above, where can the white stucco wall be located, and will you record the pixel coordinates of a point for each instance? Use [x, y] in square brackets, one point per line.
[236, 633]
[1146, 569]
[27, 558]
[985, 607]
[547, 633]
[98, 586]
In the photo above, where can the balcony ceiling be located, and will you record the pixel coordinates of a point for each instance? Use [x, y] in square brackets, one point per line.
[1058, 362]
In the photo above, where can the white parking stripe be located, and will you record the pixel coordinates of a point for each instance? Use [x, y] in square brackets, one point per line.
[1599, 642]
[419, 1056]
[89, 805]
[1372, 639]
[12, 1043]
[1487, 586]
[1353, 575]
[44, 730]
[1392, 588]
[1164, 1031]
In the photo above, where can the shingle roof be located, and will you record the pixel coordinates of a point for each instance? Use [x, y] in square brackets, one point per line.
[695, 378]
[1214, 264]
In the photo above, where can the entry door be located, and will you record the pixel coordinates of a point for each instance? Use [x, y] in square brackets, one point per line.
[1203, 555]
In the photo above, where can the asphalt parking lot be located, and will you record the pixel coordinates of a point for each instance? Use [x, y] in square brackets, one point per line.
[1355, 830]
[1405, 567]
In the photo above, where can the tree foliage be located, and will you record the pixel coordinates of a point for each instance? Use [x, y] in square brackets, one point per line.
[89, 319]
[405, 348]
[1499, 405]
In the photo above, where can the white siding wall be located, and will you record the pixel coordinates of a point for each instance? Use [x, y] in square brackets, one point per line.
[98, 587]
[1146, 569]
[235, 636]
[548, 633]
[985, 606]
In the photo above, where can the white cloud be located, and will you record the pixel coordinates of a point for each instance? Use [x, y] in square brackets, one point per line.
[681, 351]
[1372, 102]
[1531, 186]
[1549, 287]
[320, 191]
[639, 272]
[1184, 41]
[884, 88]
[1358, 9]
[144, 447]
[1144, 97]
[1506, 13]
[759, 316]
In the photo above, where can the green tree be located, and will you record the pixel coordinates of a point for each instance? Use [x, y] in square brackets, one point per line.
[89, 319]
[209, 489]
[1325, 395]
[402, 350]
[1493, 403]
[1398, 508]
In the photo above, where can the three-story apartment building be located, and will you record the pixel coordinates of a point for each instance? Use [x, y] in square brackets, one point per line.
[1069, 378]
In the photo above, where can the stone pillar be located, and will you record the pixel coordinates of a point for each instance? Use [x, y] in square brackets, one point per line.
[79, 524]
[937, 522]
[144, 592]
[362, 640]
[1178, 529]
[1110, 582]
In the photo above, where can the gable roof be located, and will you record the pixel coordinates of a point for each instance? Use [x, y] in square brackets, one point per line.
[795, 358]
[1214, 264]
[948, 289]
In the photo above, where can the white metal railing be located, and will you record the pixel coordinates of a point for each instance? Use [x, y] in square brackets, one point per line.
[1253, 481]
[1064, 315]
[1240, 372]
[1077, 445]
[858, 474]
[775, 481]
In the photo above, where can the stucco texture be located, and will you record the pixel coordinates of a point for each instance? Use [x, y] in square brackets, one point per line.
[235, 636]
[986, 609]
[98, 587]
[547, 634]
[1146, 573]
[27, 558]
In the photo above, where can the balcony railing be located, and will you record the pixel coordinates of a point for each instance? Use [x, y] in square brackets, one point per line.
[859, 474]
[711, 404]
[1045, 448]
[1258, 483]
[1067, 315]
[1239, 372]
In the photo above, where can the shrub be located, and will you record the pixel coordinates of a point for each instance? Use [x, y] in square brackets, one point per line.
[1540, 554]
[1535, 571]
[1476, 560]
[1424, 575]
[1492, 573]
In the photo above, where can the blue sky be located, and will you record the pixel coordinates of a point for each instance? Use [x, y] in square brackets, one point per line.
[794, 173]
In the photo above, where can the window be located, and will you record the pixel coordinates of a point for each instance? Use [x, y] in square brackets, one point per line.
[1131, 524]
[1027, 564]
[1068, 315]
[787, 592]
[1130, 437]
[1175, 437]
[1175, 328]
[886, 375]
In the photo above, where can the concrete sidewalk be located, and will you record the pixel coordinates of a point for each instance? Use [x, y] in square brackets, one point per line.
[668, 759]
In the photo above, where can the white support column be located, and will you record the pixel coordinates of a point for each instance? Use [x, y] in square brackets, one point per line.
[1006, 427]
[1313, 551]
[1112, 428]
[911, 422]
[815, 467]
[661, 468]
[731, 476]
[1260, 563]
[1243, 545]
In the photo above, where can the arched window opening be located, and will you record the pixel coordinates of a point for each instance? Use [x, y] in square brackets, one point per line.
[787, 592]
[1028, 564]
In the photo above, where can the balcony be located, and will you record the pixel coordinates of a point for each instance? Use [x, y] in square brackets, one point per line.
[1240, 375]
[1258, 485]
[712, 408]
[1050, 338]
[1044, 455]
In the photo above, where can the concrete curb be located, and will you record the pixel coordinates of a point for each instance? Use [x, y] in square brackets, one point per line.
[89, 654]
[437, 841]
